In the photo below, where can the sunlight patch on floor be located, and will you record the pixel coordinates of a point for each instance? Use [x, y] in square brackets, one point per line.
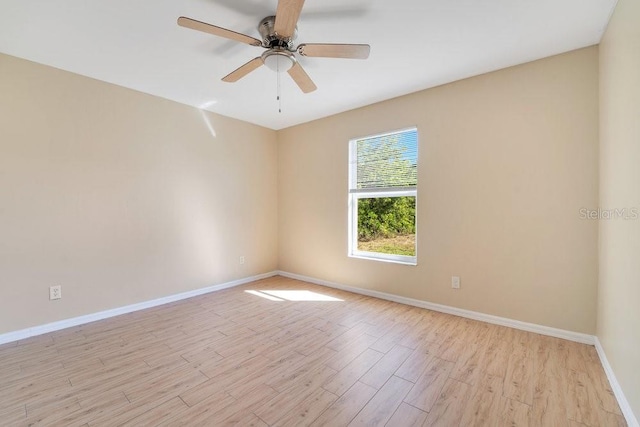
[260, 294]
[292, 295]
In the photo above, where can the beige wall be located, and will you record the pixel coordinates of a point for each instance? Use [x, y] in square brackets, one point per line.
[619, 284]
[506, 162]
[122, 197]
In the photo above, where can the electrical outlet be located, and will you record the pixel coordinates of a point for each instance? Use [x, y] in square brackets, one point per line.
[242, 260]
[55, 292]
[455, 282]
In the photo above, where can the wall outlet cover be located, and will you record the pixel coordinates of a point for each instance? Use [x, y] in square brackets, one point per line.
[55, 292]
[455, 282]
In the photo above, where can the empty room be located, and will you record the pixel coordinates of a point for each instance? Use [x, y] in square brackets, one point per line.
[324, 213]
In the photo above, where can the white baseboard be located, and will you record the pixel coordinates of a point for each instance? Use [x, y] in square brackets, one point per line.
[632, 421]
[67, 323]
[488, 318]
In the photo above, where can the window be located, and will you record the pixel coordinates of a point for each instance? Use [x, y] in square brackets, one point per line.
[383, 178]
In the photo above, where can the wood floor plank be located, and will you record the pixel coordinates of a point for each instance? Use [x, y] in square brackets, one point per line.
[347, 376]
[282, 381]
[67, 402]
[273, 370]
[198, 354]
[238, 373]
[312, 343]
[33, 390]
[518, 381]
[450, 347]
[343, 410]
[480, 333]
[583, 404]
[109, 402]
[231, 414]
[427, 388]
[484, 406]
[449, 407]
[202, 392]
[444, 327]
[417, 335]
[496, 357]
[284, 402]
[14, 415]
[549, 401]
[345, 354]
[383, 404]
[354, 337]
[550, 385]
[128, 412]
[250, 420]
[514, 413]
[574, 359]
[467, 367]
[171, 383]
[92, 375]
[614, 420]
[602, 389]
[378, 375]
[415, 364]
[159, 413]
[389, 340]
[308, 410]
[408, 416]
[80, 363]
[51, 416]
[198, 414]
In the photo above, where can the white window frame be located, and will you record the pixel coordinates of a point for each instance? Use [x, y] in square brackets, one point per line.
[355, 195]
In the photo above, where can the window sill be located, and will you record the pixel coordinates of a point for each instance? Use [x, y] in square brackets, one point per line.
[398, 259]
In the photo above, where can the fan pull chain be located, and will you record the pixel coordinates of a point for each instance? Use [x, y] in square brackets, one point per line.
[278, 88]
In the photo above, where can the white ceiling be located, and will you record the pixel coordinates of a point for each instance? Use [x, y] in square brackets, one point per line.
[415, 44]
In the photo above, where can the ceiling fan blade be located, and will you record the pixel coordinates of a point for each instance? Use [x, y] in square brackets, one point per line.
[287, 16]
[217, 31]
[326, 50]
[301, 78]
[239, 73]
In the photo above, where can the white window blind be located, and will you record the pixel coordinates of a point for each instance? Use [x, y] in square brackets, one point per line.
[385, 162]
[383, 178]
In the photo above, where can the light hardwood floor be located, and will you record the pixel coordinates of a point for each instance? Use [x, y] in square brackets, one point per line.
[250, 358]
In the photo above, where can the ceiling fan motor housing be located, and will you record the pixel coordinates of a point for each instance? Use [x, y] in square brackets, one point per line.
[272, 40]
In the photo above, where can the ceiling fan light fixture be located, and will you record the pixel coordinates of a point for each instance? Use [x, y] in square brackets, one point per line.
[278, 60]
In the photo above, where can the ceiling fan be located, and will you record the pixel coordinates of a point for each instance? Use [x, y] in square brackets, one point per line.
[278, 34]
